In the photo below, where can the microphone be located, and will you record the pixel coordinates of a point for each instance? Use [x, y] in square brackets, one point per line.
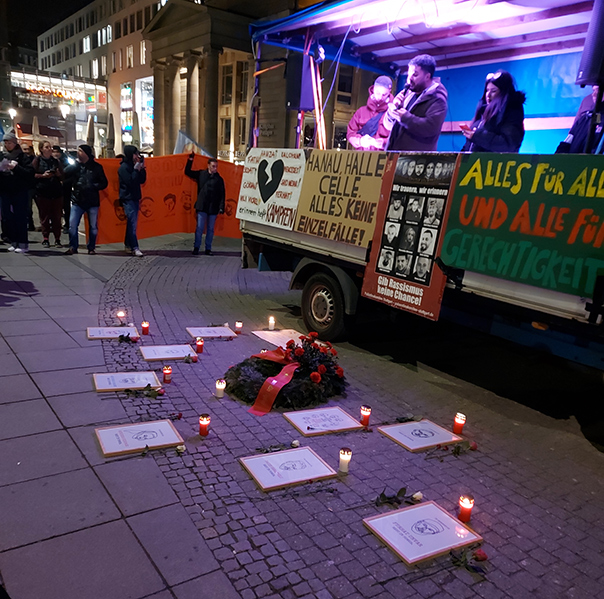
[401, 95]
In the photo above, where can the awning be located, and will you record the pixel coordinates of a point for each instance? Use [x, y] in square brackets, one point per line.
[383, 35]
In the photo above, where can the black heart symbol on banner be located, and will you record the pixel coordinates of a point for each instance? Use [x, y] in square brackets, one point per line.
[268, 188]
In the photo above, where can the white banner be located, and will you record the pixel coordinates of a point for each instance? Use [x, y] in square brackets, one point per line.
[270, 188]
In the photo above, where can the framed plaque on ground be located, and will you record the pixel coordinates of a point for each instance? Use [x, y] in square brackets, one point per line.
[119, 381]
[321, 421]
[153, 353]
[417, 436]
[110, 332]
[133, 438]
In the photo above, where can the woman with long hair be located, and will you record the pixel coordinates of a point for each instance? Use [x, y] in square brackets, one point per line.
[49, 193]
[498, 124]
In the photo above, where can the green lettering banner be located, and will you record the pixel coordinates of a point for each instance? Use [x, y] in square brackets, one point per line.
[533, 219]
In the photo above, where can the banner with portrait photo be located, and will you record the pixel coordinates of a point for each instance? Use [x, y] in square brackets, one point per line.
[402, 271]
[270, 187]
[340, 195]
[168, 199]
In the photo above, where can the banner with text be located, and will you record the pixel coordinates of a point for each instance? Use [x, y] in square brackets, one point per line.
[270, 187]
[408, 236]
[340, 194]
[537, 220]
[168, 202]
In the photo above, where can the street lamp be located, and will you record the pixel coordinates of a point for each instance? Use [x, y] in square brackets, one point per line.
[65, 110]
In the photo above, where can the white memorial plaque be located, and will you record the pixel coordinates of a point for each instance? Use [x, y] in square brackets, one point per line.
[270, 186]
[284, 468]
[132, 438]
[166, 352]
[211, 332]
[118, 381]
[110, 332]
[321, 421]
[416, 436]
[280, 337]
[421, 531]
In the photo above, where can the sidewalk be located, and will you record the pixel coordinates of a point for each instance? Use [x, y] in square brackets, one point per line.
[76, 525]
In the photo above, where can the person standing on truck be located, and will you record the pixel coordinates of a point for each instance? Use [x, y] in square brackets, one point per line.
[498, 124]
[364, 126]
[415, 118]
[210, 200]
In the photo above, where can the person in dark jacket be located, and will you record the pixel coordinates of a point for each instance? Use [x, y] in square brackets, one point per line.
[64, 160]
[48, 193]
[364, 126]
[210, 201]
[88, 178]
[132, 174]
[498, 124]
[415, 118]
[16, 179]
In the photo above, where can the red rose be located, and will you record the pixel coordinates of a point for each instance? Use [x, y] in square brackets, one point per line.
[340, 372]
[134, 339]
[473, 446]
[480, 556]
[291, 344]
[315, 377]
[161, 391]
[315, 345]
[328, 344]
[298, 352]
[323, 350]
[288, 355]
[313, 335]
[303, 337]
[321, 369]
[333, 352]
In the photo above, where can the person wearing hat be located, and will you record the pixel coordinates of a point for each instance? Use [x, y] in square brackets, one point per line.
[88, 179]
[498, 124]
[132, 174]
[16, 179]
[364, 126]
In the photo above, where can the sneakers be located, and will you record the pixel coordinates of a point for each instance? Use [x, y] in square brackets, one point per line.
[58, 243]
[70, 252]
[137, 252]
[209, 253]
[21, 250]
[195, 251]
[11, 248]
[91, 253]
[46, 243]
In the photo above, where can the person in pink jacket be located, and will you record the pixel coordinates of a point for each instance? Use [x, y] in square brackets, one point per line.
[364, 126]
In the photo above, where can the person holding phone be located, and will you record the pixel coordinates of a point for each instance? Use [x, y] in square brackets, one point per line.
[498, 124]
[132, 175]
[49, 193]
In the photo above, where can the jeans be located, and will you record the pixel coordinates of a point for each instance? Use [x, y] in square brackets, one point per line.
[202, 218]
[74, 222]
[131, 211]
[14, 209]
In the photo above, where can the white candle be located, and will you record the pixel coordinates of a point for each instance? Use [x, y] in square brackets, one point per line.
[271, 323]
[345, 457]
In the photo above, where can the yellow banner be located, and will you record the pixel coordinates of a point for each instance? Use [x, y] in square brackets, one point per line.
[340, 194]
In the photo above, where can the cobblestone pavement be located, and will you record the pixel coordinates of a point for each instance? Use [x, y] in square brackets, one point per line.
[537, 482]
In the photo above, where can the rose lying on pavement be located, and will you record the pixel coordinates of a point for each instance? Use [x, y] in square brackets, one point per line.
[480, 556]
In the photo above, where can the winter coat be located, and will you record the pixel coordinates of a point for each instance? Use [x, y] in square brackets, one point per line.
[420, 127]
[211, 191]
[360, 124]
[577, 136]
[503, 132]
[88, 179]
[21, 178]
[131, 180]
[48, 187]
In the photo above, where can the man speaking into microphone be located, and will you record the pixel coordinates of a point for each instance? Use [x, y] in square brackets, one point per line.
[414, 120]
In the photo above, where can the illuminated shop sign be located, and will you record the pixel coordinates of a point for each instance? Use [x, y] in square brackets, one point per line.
[57, 92]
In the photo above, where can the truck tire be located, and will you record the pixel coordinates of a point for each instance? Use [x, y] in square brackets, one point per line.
[323, 307]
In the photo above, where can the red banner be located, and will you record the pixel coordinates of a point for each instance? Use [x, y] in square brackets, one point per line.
[168, 201]
[270, 389]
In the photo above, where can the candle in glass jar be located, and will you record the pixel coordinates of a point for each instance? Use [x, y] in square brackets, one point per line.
[238, 327]
[345, 457]
[167, 370]
[466, 503]
[204, 425]
[365, 414]
[220, 387]
[271, 323]
[460, 420]
[199, 345]
[145, 327]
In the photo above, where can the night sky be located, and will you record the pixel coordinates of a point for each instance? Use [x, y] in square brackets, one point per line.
[27, 20]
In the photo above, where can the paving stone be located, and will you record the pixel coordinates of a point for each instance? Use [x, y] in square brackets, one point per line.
[17, 387]
[214, 584]
[80, 409]
[26, 418]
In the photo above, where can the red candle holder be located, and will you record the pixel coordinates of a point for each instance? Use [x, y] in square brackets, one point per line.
[145, 327]
[167, 370]
[460, 420]
[466, 503]
[204, 425]
[238, 327]
[365, 414]
[199, 345]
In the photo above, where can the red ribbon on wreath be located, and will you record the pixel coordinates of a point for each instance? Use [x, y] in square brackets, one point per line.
[273, 384]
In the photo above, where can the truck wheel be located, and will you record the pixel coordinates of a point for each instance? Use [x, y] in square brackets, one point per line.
[323, 307]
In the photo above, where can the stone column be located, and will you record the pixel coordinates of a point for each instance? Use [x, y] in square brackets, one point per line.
[212, 88]
[192, 115]
[173, 103]
[159, 107]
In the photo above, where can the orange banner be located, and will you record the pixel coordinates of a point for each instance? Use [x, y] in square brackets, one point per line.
[168, 201]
